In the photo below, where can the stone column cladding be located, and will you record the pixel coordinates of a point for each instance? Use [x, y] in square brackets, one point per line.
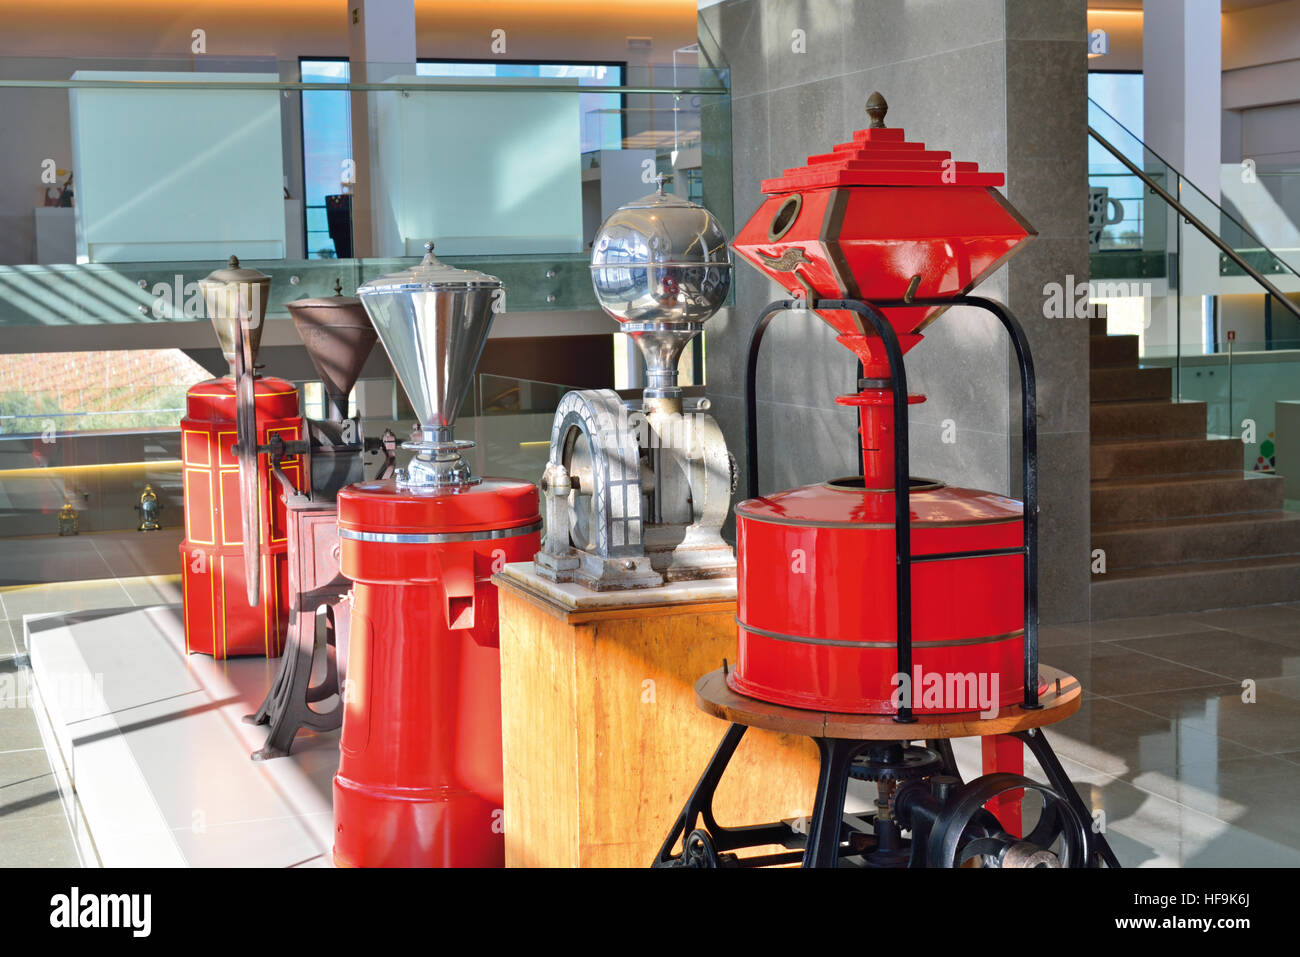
[1003, 82]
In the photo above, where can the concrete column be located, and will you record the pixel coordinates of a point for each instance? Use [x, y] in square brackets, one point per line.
[381, 44]
[1001, 82]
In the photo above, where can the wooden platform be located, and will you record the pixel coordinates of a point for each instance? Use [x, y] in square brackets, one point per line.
[602, 737]
[1061, 699]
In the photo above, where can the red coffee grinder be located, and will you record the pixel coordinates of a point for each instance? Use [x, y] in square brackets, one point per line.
[233, 557]
[878, 238]
[419, 779]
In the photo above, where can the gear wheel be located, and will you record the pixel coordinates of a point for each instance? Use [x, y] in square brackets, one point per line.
[896, 764]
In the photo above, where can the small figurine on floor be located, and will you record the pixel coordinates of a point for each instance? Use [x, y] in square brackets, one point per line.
[67, 520]
[149, 508]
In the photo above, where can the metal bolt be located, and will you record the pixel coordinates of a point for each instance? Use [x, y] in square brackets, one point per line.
[551, 274]
[294, 280]
[630, 565]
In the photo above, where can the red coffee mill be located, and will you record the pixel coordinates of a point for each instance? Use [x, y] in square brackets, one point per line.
[420, 778]
[878, 238]
[233, 558]
[878, 218]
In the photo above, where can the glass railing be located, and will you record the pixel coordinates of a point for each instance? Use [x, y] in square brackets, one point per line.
[157, 170]
[1136, 234]
[1231, 341]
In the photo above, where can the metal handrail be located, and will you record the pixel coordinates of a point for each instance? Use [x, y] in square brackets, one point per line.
[1193, 220]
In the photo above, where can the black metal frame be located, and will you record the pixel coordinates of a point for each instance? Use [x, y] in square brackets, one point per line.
[871, 311]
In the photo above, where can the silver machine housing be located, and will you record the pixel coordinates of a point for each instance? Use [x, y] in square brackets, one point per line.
[635, 492]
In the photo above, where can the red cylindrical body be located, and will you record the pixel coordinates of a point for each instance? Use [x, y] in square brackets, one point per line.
[218, 618]
[816, 598]
[419, 781]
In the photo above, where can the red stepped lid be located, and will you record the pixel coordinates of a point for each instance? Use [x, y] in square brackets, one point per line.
[879, 156]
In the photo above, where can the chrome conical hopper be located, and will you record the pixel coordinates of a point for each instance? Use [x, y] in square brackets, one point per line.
[433, 321]
[232, 294]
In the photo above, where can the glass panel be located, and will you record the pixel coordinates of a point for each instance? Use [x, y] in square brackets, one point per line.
[269, 143]
[511, 423]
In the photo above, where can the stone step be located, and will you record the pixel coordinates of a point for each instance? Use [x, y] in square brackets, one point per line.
[1150, 457]
[1195, 587]
[1127, 385]
[1113, 351]
[1162, 498]
[1217, 539]
[1137, 420]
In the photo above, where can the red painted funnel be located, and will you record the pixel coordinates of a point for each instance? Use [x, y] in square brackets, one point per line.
[881, 218]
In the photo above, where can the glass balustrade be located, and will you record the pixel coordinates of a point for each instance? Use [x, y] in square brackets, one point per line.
[1230, 341]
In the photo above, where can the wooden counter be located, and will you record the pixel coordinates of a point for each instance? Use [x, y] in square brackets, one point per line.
[602, 737]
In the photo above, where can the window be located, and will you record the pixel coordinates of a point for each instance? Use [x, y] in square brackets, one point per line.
[326, 155]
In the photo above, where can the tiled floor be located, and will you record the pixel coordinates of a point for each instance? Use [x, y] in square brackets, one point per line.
[1188, 740]
[59, 574]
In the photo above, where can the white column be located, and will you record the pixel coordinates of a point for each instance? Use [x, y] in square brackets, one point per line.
[1182, 82]
[381, 44]
[1182, 117]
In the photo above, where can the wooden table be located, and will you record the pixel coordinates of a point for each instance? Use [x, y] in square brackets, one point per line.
[601, 735]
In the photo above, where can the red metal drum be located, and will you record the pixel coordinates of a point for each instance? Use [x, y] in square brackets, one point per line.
[879, 218]
[419, 780]
[815, 599]
[218, 618]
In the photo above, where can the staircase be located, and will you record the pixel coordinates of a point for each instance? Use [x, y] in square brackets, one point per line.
[1183, 528]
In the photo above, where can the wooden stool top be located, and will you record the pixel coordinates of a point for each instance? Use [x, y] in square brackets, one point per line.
[713, 696]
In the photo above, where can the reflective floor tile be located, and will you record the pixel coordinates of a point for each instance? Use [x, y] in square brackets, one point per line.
[37, 842]
[1269, 724]
[18, 730]
[136, 554]
[61, 597]
[1273, 622]
[1256, 794]
[27, 787]
[29, 561]
[1121, 740]
[154, 589]
[1136, 627]
[1229, 654]
[1107, 669]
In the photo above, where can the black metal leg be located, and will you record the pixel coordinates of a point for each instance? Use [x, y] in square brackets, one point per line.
[943, 747]
[700, 803]
[1036, 741]
[827, 824]
[287, 708]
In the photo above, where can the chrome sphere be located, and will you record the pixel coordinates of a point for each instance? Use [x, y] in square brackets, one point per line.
[661, 259]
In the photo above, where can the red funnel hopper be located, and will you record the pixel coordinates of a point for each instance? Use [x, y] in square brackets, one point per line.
[881, 218]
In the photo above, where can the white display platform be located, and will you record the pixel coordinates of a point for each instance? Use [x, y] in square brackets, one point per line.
[152, 754]
[575, 597]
